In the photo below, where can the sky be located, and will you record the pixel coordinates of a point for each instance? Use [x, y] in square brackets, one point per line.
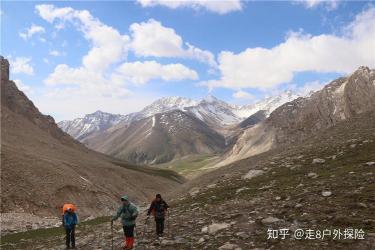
[75, 57]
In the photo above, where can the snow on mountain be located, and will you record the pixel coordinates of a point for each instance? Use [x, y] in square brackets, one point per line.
[82, 127]
[166, 104]
[214, 111]
[211, 110]
[269, 104]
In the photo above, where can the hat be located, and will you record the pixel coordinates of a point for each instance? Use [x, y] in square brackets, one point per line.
[125, 198]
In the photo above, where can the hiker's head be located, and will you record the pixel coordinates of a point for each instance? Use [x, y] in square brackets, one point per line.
[158, 197]
[69, 210]
[125, 200]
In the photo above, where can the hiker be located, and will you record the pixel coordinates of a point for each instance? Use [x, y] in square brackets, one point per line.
[128, 213]
[70, 221]
[158, 208]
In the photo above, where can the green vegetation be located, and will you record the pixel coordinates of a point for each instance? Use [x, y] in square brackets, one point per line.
[166, 173]
[10, 241]
[190, 166]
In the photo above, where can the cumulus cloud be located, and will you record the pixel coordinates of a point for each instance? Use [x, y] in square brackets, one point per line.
[242, 95]
[329, 4]
[220, 6]
[23, 87]
[21, 65]
[143, 72]
[108, 46]
[266, 68]
[34, 29]
[151, 38]
[99, 82]
[56, 53]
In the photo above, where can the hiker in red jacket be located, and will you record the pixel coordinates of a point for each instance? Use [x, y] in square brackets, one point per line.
[158, 208]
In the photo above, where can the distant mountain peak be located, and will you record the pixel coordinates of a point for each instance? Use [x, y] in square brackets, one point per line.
[210, 98]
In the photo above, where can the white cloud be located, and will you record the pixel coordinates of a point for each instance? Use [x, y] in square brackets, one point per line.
[151, 38]
[308, 88]
[267, 68]
[329, 4]
[217, 6]
[143, 72]
[34, 29]
[23, 87]
[242, 95]
[70, 103]
[98, 83]
[21, 65]
[56, 53]
[108, 46]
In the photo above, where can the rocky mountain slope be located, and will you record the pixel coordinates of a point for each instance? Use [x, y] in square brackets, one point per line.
[42, 167]
[323, 184]
[159, 138]
[214, 112]
[81, 128]
[128, 137]
[338, 101]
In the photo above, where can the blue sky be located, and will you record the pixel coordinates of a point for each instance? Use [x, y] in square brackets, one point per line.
[73, 58]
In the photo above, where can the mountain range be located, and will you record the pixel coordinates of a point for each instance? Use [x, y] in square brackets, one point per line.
[211, 123]
[293, 122]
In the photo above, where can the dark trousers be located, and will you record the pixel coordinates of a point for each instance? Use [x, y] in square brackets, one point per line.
[159, 225]
[70, 237]
[128, 231]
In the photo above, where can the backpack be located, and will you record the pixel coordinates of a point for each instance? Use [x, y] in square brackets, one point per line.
[67, 206]
[126, 209]
[160, 208]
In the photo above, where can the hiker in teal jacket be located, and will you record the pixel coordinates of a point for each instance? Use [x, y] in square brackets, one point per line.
[128, 213]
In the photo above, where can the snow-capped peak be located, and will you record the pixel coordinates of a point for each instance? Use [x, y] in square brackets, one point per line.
[269, 104]
[166, 104]
[210, 99]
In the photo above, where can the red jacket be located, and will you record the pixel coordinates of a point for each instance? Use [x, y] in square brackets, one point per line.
[158, 208]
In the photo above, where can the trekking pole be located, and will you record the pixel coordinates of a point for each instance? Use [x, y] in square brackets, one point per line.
[111, 235]
[144, 232]
[169, 228]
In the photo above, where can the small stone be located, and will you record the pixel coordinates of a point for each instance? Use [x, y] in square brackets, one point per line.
[361, 205]
[242, 235]
[299, 205]
[229, 246]
[253, 173]
[241, 189]
[326, 193]
[277, 198]
[214, 228]
[318, 161]
[312, 175]
[370, 163]
[270, 220]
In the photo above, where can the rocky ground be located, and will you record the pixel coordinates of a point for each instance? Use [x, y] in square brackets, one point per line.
[324, 185]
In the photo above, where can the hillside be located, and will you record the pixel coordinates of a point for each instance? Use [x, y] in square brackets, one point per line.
[158, 139]
[42, 167]
[234, 206]
[294, 121]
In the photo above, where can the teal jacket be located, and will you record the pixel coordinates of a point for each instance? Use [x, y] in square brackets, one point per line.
[127, 213]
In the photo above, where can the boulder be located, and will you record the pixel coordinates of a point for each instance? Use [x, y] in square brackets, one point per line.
[253, 173]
